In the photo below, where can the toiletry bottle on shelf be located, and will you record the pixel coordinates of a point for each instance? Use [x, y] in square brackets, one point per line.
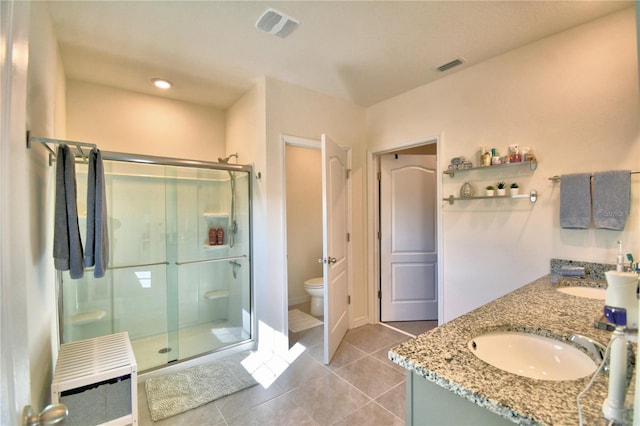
[220, 236]
[213, 236]
[517, 158]
[486, 158]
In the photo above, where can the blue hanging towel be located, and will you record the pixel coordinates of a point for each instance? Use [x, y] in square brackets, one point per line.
[97, 247]
[575, 201]
[611, 199]
[67, 242]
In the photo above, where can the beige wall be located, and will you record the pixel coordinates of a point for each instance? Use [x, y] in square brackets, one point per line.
[124, 121]
[573, 98]
[256, 125]
[246, 130]
[295, 111]
[304, 219]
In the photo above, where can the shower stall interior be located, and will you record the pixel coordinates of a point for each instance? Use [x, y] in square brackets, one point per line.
[177, 291]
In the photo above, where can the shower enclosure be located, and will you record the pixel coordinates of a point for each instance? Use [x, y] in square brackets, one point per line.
[176, 291]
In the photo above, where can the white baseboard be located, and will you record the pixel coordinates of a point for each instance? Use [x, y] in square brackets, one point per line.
[357, 322]
[299, 299]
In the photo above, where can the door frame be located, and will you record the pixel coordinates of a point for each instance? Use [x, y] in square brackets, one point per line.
[311, 144]
[373, 220]
[15, 373]
[392, 256]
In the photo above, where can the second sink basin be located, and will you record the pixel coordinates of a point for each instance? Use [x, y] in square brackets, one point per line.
[588, 292]
[533, 356]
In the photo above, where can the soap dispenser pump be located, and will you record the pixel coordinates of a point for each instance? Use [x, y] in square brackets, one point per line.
[620, 258]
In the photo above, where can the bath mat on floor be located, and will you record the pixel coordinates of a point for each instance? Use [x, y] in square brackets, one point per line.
[299, 321]
[179, 392]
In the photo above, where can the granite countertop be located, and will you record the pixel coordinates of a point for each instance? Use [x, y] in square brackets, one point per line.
[441, 355]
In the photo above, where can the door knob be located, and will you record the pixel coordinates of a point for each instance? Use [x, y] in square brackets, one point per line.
[320, 260]
[332, 260]
[51, 415]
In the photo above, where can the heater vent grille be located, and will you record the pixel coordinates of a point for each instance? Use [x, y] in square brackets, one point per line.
[277, 23]
[449, 65]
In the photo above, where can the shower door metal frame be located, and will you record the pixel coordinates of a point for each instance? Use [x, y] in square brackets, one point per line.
[179, 162]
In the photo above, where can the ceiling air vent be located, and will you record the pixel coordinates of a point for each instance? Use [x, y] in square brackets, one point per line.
[277, 23]
[449, 65]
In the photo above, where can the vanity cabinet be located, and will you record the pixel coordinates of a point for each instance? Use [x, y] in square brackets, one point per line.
[429, 404]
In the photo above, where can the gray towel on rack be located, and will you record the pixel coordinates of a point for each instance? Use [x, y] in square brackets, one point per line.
[97, 246]
[611, 199]
[67, 243]
[575, 201]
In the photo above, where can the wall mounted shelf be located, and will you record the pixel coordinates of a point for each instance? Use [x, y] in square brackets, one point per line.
[532, 165]
[208, 215]
[532, 196]
[216, 247]
[87, 317]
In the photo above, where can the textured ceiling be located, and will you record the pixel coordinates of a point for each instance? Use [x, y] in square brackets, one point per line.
[361, 51]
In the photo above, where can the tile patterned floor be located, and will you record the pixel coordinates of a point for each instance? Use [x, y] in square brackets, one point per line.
[360, 387]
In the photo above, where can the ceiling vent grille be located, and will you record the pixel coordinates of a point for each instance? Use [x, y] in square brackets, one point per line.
[277, 23]
[449, 65]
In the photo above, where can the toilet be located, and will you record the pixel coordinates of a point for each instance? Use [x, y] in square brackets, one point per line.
[315, 288]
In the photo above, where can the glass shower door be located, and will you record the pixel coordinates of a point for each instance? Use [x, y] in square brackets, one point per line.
[133, 294]
[213, 260]
[178, 293]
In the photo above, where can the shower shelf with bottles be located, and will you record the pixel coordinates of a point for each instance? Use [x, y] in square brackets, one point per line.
[215, 220]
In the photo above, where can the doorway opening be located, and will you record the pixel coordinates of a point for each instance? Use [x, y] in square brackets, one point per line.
[328, 291]
[406, 254]
[303, 200]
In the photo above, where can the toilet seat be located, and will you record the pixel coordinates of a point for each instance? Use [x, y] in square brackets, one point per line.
[314, 282]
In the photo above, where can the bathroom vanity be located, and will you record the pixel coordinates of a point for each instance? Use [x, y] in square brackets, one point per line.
[448, 384]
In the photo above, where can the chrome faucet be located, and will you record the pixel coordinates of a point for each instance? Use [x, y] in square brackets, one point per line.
[596, 349]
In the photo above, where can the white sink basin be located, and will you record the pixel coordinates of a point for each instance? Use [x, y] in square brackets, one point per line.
[533, 356]
[588, 292]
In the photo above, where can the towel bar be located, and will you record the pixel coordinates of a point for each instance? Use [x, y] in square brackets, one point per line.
[556, 178]
[52, 153]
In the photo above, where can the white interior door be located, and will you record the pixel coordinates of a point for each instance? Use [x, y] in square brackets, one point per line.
[408, 247]
[335, 245]
[15, 375]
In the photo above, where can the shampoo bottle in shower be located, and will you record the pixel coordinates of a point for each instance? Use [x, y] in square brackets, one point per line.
[213, 236]
[220, 235]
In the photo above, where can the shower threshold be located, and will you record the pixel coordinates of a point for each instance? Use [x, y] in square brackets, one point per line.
[153, 352]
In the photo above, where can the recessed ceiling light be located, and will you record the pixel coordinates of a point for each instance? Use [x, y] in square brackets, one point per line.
[161, 83]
